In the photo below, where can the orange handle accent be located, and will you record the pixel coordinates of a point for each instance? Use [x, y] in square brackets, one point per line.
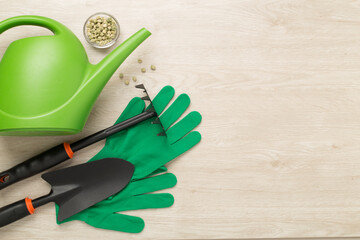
[2, 179]
[68, 150]
[29, 205]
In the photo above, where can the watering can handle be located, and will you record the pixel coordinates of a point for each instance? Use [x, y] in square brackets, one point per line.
[48, 23]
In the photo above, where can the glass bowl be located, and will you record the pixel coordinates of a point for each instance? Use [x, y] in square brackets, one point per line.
[94, 44]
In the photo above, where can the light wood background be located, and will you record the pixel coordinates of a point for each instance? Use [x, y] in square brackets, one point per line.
[278, 85]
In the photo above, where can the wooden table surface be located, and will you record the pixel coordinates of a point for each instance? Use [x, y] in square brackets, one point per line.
[278, 86]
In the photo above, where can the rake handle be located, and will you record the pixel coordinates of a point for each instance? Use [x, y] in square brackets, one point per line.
[63, 152]
[34, 165]
[76, 146]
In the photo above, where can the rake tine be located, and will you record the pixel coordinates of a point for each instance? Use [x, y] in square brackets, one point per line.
[146, 98]
[156, 121]
[141, 86]
[151, 109]
[162, 133]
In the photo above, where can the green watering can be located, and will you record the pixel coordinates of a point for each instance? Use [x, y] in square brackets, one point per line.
[47, 85]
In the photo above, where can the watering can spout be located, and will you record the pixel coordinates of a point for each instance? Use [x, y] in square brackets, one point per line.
[102, 71]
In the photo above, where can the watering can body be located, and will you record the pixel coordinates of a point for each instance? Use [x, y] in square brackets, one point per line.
[47, 85]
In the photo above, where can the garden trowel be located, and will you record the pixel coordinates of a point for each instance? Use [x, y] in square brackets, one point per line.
[75, 189]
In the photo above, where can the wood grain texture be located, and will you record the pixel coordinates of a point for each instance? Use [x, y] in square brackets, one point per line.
[277, 83]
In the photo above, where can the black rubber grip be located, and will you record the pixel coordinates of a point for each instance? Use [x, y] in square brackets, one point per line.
[34, 165]
[13, 212]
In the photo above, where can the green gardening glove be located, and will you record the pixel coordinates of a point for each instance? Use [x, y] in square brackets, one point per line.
[134, 197]
[141, 146]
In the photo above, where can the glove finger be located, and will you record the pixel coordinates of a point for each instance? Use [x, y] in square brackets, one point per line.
[175, 110]
[117, 222]
[163, 98]
[152, 184]
[146, 185]
[106, 219]
[81, 216]
[183, 127]
[135, 107]
[186, 143]
[145, 201]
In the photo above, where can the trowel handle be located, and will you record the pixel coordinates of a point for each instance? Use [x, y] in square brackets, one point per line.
[36, 164]
[15, 211]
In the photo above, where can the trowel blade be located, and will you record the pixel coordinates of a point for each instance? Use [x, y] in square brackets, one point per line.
[79, 187]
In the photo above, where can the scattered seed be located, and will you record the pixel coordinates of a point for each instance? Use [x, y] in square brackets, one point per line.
[134, 78]
[127, 82]
[121, 76]
[153, 67]
[139, 60]
[143, 70]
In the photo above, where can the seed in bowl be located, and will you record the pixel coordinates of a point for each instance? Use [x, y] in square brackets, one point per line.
[101, 30]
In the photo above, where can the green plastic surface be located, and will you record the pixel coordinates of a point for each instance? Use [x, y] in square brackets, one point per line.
[47, 85]
[141, 146]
